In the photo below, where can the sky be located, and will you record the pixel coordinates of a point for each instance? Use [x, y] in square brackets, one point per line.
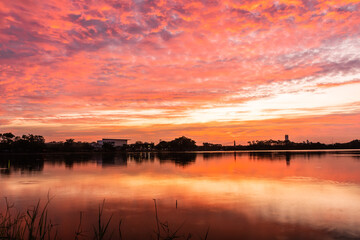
[215, 71]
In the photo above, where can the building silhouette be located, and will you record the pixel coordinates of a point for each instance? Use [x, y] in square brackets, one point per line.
[286, 138]
[114, 142]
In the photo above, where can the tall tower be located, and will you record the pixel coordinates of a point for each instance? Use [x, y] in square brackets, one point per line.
[286, 138]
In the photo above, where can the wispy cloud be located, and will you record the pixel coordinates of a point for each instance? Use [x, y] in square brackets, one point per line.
[103, 63]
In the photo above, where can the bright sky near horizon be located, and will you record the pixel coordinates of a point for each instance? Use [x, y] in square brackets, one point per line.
[212, 70]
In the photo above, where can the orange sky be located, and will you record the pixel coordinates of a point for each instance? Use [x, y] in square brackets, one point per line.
[211, 70]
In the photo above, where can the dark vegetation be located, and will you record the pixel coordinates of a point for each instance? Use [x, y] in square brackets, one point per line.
[27, 143]
[288, 145]
[36, 224]
[9, 143]
[178, 144]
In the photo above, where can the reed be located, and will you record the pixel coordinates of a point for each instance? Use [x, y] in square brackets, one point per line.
[35, 224]
[101, 229]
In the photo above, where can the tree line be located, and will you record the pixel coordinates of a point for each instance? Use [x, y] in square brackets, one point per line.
[9, 143]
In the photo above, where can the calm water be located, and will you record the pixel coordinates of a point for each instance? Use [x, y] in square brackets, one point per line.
[251, 195]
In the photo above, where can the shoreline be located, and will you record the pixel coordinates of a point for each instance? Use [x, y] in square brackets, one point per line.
[190, 151]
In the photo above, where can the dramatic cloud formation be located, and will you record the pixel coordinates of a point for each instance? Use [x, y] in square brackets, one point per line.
[209, 69]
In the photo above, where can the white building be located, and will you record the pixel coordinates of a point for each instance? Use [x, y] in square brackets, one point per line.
[114, 142]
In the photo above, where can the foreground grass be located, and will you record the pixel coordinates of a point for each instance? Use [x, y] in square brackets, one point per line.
[35, 224]
[31, 224]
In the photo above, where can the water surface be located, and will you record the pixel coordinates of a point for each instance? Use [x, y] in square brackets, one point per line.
[248, 195]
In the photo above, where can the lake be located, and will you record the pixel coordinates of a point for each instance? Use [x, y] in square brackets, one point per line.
[232, 195]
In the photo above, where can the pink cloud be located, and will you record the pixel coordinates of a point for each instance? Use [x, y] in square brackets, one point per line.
[65, 57]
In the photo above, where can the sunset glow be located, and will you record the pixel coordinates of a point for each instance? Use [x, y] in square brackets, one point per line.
[214, 71]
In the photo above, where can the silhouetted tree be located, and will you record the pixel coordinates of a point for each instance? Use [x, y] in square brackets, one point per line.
[108, 147]
[210, 147]
[29, 143]
[163, 145]
[178, 144]
[7, 137]
[26, 143]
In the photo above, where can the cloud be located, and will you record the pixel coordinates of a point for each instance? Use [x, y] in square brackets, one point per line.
[60, 58]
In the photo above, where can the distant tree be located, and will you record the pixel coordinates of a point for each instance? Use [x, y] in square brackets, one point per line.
[183, 144]
[69, 145]
[69, 141]
[108, 147]
[7, 137]
[139, 146]
[210, 146]
[28, 143]
[163, 145]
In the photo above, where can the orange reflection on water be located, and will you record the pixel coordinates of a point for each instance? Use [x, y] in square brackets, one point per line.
[318, 193]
